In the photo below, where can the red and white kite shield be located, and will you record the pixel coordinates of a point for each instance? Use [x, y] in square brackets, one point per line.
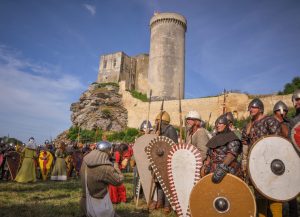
[295, 136]
[274, 168]
[184, 163]
[157, 152]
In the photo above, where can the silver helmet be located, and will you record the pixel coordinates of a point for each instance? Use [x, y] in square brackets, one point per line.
[256, 103]
[104, 146]
[296, 95]
[280, 106]
[144, 126]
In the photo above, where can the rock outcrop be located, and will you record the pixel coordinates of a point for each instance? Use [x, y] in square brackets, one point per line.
[100, 107]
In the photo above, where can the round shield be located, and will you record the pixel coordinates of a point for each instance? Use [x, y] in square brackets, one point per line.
[230, 198]
[274, 168]
[295, 136]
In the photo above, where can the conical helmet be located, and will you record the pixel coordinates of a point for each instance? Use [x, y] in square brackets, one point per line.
[280, 106]
[164, 117]
[256, 103]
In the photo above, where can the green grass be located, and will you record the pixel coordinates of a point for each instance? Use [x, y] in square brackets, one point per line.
[52, 199]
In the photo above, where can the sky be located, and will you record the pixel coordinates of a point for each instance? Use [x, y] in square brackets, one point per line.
[50, 50]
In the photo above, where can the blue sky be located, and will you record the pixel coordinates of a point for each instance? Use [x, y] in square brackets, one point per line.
[49, 51]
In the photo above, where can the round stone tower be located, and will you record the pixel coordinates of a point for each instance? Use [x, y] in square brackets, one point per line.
[166, 58]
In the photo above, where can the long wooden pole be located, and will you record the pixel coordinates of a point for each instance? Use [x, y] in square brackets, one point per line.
[180, 118]
[150, 95]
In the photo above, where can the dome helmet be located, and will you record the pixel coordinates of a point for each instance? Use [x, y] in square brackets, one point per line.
[193, 115]
[296, 95]
[257, 103]
[104, 146]
[144, 126]
[222, 120]
[164, 117]
[47, 142]
[281, 106]
[229, 117]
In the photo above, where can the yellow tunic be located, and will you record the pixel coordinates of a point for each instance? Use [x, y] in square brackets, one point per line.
[45, 162]
[27, 172]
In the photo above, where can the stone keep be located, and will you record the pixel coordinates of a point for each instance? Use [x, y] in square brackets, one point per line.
[167, 53]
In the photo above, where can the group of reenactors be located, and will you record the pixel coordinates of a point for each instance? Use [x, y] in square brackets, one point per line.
[223, 151]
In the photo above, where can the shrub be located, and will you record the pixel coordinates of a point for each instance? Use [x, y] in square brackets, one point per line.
[138, 95]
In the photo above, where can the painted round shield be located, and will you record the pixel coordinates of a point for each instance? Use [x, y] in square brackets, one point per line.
[230, 198]
[274, 168]
[143, 163]
[157, 152]
[295, 136]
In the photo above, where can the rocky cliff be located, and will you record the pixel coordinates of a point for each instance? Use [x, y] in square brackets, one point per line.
[100, 107]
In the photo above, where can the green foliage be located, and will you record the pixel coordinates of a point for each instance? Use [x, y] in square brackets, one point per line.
[76, 134]
[291, 87]
[138, 95]
[291, 113]
[127, 135]
[101, 85]
[239, 124]
[106, 113]
[9, 140]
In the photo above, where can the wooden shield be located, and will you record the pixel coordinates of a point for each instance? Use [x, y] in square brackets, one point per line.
[143, 163]
[230, 198]
[13, 162]
[157, 152]
[295, 136]
[184, 163]
[274, 168]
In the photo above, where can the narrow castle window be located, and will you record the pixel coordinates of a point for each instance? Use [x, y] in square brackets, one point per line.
[104, 64]
[115, 62]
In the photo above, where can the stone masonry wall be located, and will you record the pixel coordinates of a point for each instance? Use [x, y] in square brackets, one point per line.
[235, 102]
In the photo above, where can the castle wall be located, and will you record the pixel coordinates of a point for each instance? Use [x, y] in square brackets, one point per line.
[110, 68]
[167, 55]
[141, 80]
[235, 102]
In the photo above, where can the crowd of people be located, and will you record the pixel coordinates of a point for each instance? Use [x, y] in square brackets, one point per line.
[100, 165]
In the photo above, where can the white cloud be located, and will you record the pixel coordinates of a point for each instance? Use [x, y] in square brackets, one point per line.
[90, 8]
[34, 103]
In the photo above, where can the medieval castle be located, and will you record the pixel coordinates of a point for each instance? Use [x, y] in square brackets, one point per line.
[162, 70]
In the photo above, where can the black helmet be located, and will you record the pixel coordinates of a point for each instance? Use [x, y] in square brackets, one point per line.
[230, 117]
[257, 103]
[46, 142]
[222, 120]
[280, 106]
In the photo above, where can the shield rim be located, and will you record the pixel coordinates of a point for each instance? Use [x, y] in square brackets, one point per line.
[292, 137]
[249, 174]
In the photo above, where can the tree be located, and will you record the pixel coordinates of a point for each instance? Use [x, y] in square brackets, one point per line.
[291, 87]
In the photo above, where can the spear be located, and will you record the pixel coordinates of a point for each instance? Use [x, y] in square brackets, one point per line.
[150, 95]
[208, 120]
[180, 118]
[161, 114]
[224, 101]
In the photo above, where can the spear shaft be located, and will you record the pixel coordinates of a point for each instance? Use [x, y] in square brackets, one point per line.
[180, 117]
[150, 95]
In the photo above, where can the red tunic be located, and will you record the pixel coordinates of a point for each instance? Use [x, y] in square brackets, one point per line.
[117, 193]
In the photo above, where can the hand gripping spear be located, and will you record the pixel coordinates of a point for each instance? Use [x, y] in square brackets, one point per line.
[180, 118]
